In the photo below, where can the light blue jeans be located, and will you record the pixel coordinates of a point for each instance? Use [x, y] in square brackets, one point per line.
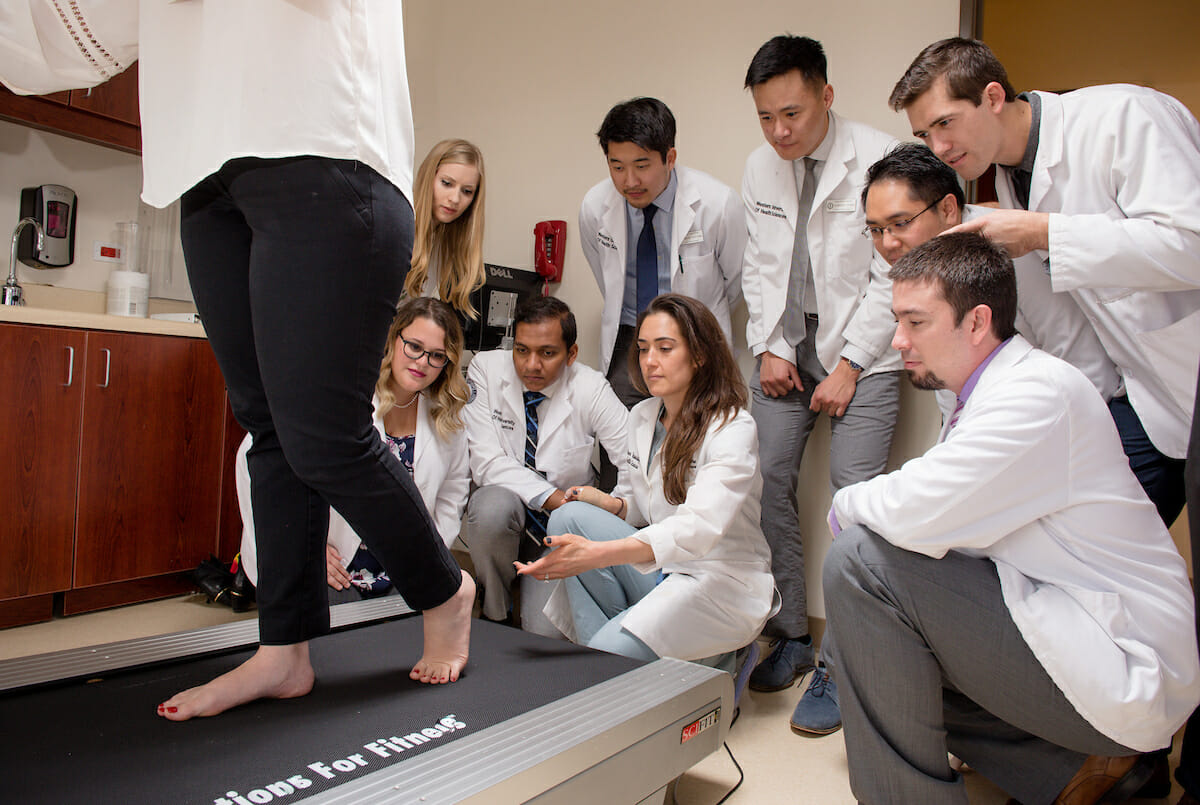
[601, 598]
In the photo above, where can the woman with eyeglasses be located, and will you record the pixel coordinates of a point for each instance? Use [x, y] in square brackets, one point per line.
[673, 563]
[419, 398]
[447, 256]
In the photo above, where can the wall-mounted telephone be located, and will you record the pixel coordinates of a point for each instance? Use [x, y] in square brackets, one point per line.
[549, 247]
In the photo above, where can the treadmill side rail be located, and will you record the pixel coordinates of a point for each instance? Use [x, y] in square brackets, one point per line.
[619, 741]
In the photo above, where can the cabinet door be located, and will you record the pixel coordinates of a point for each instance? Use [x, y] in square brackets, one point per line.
[150, 457]
[116, 98]
[108, 115]
[40, 398]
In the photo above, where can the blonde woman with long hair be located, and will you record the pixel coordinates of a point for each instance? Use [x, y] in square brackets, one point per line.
[447, 255]
[419, 398]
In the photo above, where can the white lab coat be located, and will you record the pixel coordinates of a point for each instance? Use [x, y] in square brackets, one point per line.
[854, 295]
[708, 237]
[1033, 477]
[720, 590]
[1118, 169]
[582, 408]
[1053, 322]
[441, 471]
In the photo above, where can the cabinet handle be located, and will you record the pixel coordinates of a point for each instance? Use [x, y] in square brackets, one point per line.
[70, 365]
[107, 366]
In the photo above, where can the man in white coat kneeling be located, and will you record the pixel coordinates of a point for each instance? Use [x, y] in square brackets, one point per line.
[533, 421]
[1011, 596]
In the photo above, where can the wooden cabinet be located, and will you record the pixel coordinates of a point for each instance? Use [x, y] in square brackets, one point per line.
[114, 463]
[105, 115]
[41, 396]
[150, 457]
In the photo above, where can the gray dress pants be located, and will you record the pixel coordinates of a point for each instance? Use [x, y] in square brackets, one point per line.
[928, 660]
[860, 441]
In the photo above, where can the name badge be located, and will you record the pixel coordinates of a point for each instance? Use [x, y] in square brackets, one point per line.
[840, 205]
[695, 236]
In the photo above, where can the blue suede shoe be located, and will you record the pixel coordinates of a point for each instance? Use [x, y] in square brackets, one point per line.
[788, 659]
[817, 711]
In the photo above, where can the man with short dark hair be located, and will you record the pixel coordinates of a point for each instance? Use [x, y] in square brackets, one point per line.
[818, 323]
[1015, 578]
[655, 227]
[912, 196]
[533, 420]
[1103, 185]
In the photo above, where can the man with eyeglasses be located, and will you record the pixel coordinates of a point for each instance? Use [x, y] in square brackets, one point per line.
[533, 421]
[912, 196]
[819, 323]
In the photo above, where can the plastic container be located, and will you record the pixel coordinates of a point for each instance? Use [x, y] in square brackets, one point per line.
[129, 294]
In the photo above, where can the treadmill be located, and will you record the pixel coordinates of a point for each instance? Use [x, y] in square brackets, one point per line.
[532, 719]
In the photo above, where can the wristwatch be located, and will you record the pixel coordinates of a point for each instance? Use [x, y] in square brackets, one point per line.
[855, 366]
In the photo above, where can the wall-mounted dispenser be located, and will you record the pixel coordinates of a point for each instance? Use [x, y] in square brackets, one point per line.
[54, 207]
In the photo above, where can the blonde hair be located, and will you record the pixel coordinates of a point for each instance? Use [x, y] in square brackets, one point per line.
[458, 245]
[448, 393]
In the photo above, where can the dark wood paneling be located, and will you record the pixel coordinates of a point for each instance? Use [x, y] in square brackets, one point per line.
[104, 596]
[150, 457]
[39, 452]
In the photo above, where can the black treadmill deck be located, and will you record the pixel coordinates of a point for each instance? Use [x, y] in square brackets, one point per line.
[102, 741]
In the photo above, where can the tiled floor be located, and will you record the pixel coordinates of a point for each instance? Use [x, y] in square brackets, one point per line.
[780, 766]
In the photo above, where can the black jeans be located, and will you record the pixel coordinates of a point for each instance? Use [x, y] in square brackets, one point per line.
[296, 266]
[1160, 476]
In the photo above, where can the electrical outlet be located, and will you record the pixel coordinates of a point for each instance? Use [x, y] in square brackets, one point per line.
[106, 252]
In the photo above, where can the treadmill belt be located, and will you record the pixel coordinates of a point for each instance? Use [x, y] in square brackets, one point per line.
[102, 741]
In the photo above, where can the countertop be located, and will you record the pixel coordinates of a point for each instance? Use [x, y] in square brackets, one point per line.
[98, 321]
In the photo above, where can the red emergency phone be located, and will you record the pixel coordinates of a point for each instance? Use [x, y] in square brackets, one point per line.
[549, 247]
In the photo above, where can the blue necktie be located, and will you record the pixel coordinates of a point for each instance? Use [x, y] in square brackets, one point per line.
[647, 261]
[535, 519]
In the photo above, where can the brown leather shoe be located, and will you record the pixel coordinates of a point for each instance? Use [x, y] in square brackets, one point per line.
[1106, 780]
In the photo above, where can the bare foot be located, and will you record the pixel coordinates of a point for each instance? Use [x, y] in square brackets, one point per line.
[447, 637]
[274, 672]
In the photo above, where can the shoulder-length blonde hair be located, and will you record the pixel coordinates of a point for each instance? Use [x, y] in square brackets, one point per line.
[448, 393]
[717, 388]
[457, 246]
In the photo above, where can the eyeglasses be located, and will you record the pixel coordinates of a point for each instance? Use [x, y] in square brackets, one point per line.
[437, 358]
[876, 232]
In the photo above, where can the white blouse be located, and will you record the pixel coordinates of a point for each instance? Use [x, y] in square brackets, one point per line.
[226, 78]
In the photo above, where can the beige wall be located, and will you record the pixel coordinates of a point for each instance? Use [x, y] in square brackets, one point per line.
[530, 82]
[106, 182]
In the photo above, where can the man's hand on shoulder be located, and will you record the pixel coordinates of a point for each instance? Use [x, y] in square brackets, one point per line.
[1018, 231]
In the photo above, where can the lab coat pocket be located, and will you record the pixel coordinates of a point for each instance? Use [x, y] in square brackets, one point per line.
[576, 463]
[1173, 352]
[698, 276]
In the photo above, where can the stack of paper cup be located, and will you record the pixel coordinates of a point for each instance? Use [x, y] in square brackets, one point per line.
[129, 294]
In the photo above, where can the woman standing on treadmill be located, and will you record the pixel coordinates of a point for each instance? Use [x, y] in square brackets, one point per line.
[673, 563]
[289, 136]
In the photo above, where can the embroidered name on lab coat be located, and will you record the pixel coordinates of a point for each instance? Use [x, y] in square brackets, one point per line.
[498, 418]
[695, 236]
[840, 205]
[605, 240]
[773, 210]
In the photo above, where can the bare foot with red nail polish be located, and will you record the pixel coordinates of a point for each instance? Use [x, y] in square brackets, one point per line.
[274, 672]
[447, 637]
